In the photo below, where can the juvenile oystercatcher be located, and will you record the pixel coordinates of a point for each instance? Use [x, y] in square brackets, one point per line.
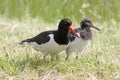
[53, 41]
[79, 44]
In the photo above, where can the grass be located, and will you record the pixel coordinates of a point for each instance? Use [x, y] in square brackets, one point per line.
[100, 61]
[50, 11]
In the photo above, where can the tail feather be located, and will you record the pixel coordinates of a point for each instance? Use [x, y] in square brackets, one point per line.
[27, 40]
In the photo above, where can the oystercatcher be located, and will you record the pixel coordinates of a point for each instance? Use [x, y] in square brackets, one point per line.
[79, 44]
[53, 41]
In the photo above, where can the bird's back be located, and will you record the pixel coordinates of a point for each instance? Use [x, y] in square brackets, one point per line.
[40, 38]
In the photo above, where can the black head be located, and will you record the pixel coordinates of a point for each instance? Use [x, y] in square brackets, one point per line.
[86, 23]
[65, 25]
[61, 36]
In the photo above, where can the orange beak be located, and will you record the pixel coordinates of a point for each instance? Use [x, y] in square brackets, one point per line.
[95, 28]
[73, 31]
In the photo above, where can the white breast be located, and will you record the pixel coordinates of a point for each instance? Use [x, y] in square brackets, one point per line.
[78, 45]
[49, 47]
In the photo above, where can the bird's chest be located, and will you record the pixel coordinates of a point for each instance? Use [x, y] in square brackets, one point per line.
[79, 43]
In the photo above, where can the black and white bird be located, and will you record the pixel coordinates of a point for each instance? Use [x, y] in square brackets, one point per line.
[79, 44]
[53, 41]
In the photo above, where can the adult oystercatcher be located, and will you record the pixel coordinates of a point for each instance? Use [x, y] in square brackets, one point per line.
[79, 44]
[53, 41]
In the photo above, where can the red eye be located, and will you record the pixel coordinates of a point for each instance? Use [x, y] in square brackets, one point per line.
[65, 22]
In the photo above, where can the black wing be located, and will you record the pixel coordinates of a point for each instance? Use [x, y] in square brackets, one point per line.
[40, 38]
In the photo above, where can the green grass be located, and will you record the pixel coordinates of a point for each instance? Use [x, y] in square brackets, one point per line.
[50, 11]
[25, 18]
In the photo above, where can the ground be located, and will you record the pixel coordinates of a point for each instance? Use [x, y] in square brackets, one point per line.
[21, 19]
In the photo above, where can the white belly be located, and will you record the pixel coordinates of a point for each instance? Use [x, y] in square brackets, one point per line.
[78, 45]
[50, 47]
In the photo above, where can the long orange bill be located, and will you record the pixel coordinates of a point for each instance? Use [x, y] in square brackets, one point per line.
[73, 31]
[95, 28]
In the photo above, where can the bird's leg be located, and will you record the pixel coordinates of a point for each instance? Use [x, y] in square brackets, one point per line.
[52, 57]
[76, 56]
[44, 56]
[67, 54]
[79, 53]
[66, 57]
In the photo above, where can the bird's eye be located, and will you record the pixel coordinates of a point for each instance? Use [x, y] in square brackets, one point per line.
[65, 22]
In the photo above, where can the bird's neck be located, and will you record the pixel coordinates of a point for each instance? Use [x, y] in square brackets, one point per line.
[86, 34]
[61, 37]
